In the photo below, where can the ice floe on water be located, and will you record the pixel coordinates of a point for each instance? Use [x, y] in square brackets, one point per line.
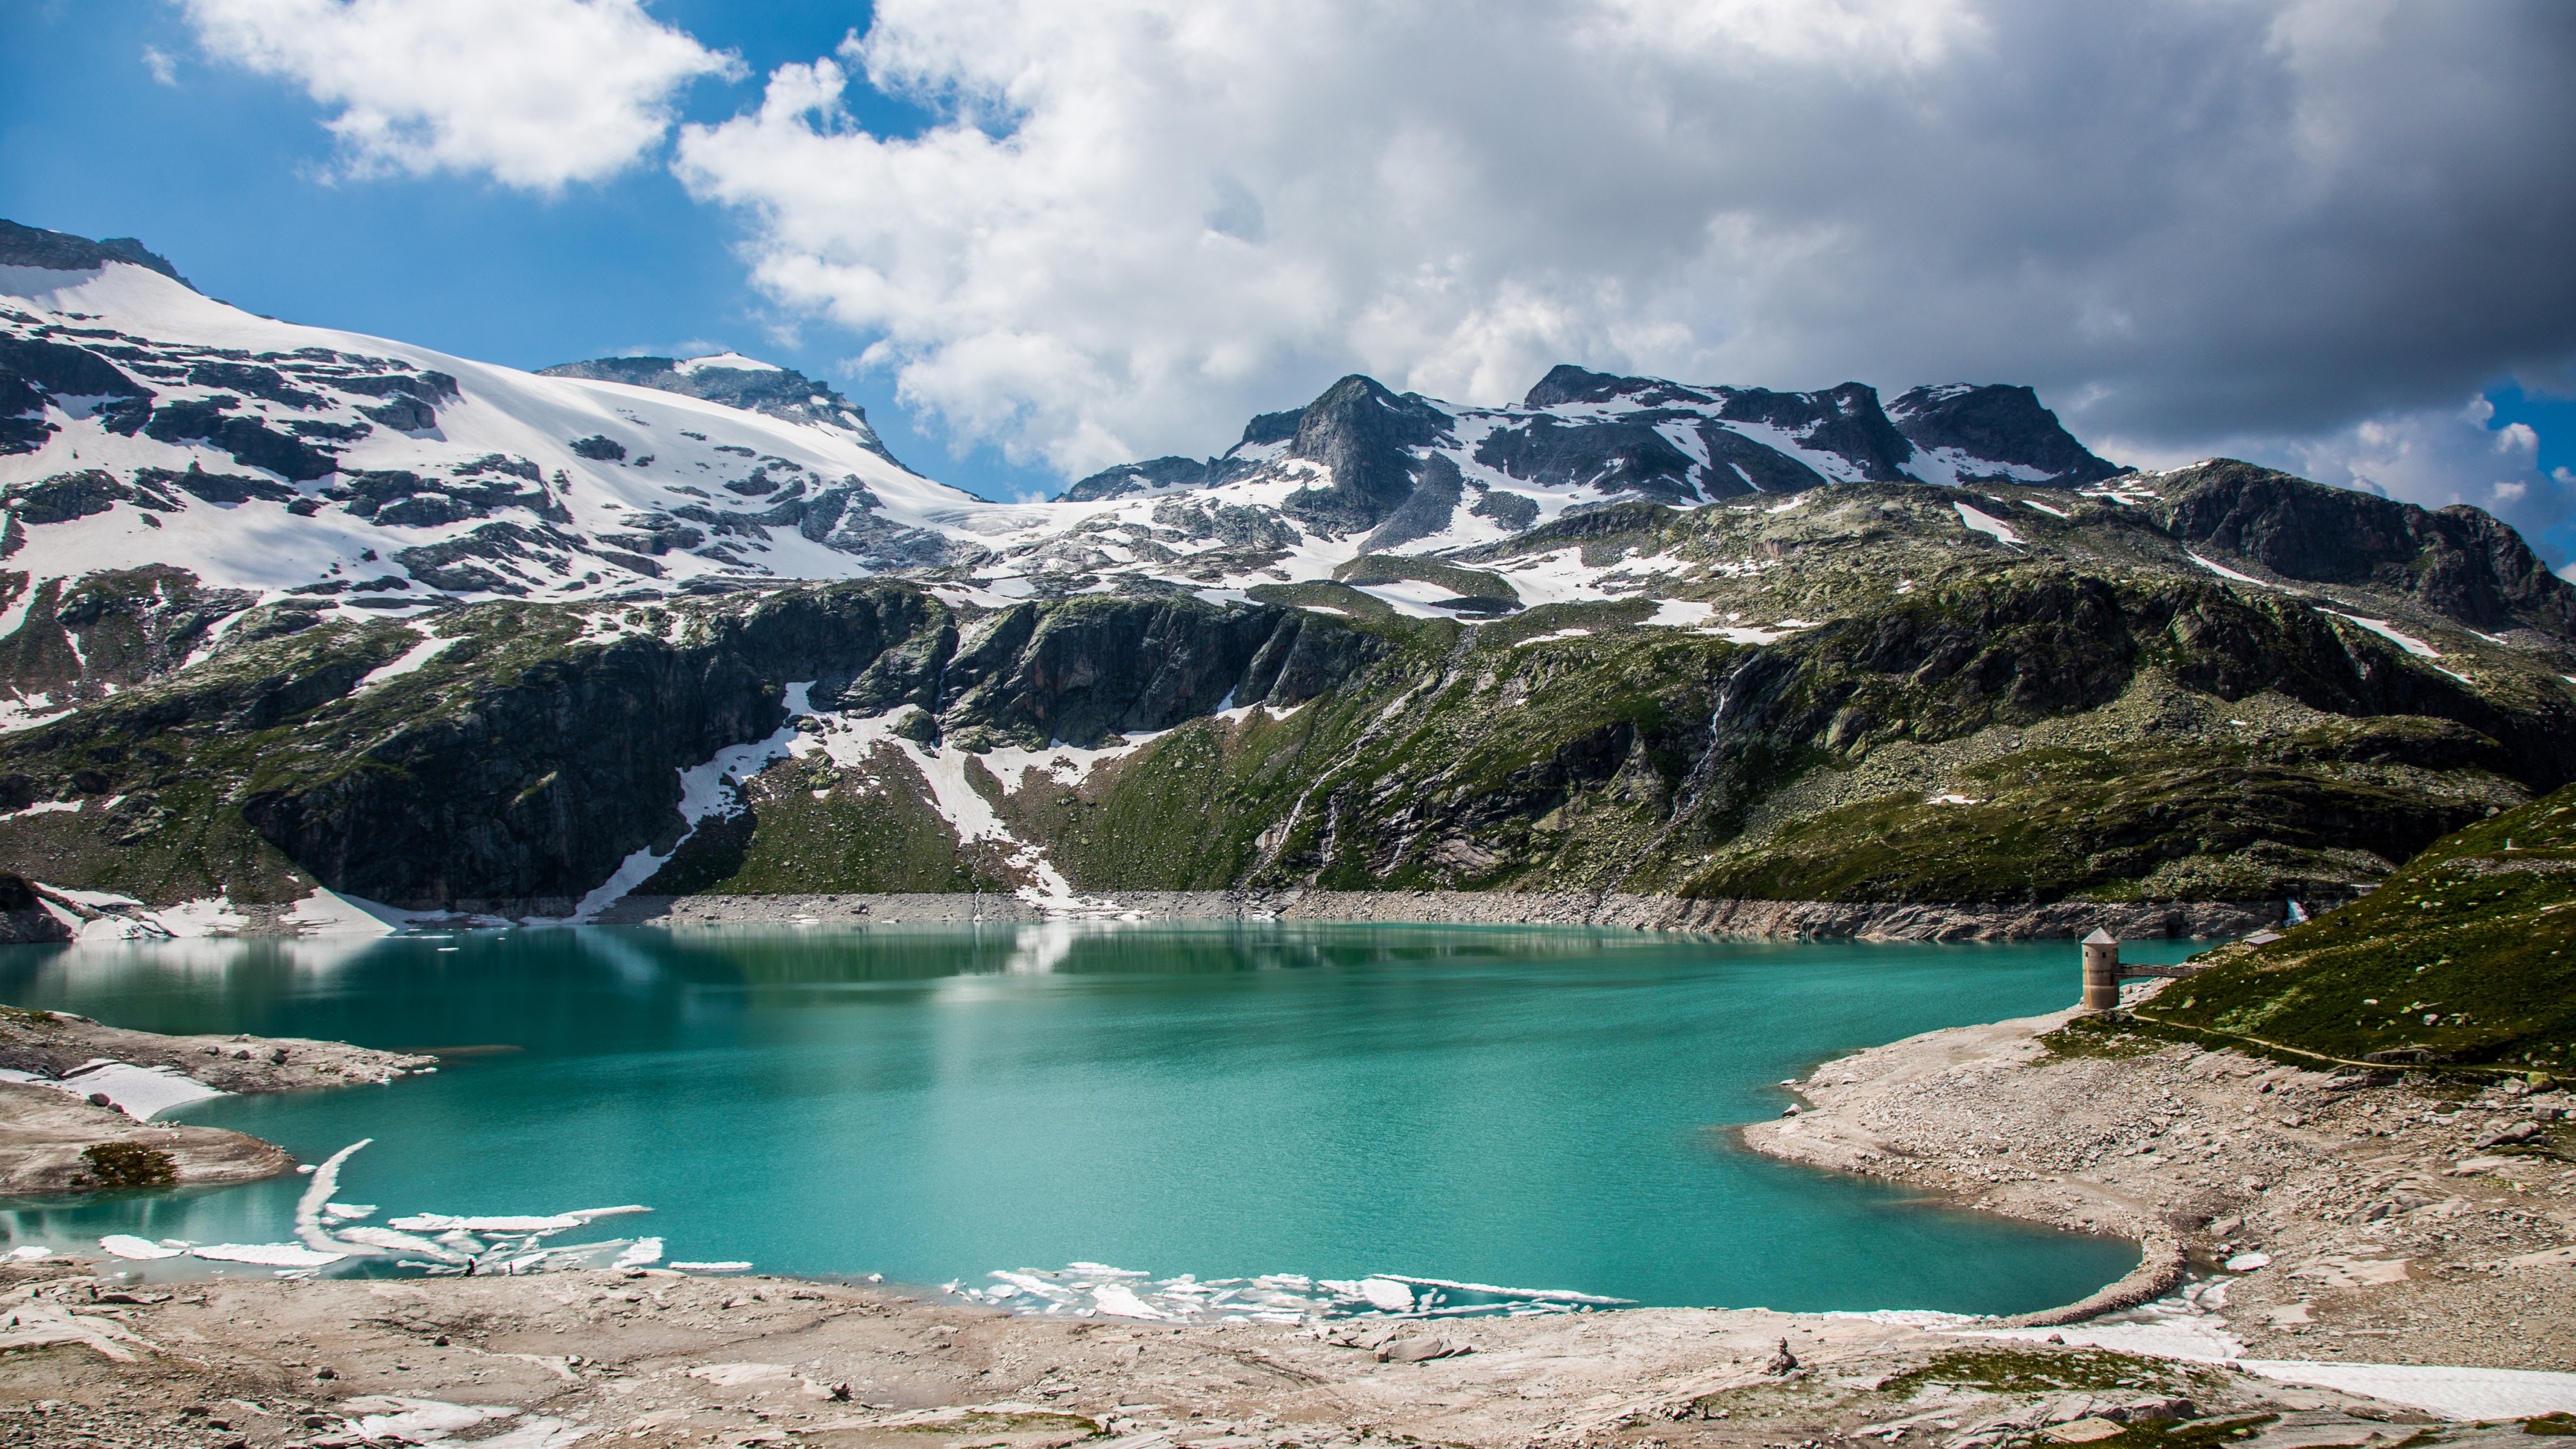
[1097, 1290]
[328, 1231]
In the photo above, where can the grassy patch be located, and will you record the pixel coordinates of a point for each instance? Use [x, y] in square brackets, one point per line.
[2043, 825]
[2036, 1371]
[129, 1165]
[2093, 1038]
[2466, 955]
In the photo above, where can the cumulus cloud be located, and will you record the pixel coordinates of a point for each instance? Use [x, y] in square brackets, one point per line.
[537, 93]
[1139, 220]
[163, 65]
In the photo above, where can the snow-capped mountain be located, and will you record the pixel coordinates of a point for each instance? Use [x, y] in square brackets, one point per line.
[146, 424]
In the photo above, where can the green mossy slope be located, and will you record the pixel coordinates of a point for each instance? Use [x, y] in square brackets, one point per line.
[2467, 954]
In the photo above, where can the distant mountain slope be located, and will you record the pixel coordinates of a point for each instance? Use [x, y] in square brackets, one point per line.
[281, 605]
[1413, 472]
[737, 382]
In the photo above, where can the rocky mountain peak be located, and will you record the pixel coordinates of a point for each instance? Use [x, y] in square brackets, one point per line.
[1996, 422]
[60, 251]
[737, 382]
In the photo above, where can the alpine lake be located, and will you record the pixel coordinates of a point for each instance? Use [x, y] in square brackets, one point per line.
[1526, 1108]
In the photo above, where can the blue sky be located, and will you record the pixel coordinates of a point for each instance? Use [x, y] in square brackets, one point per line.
[224, 173]
[1080, 235]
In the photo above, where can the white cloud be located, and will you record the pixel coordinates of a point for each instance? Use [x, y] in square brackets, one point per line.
[1141, 220]
[538, 93]
[163, 65]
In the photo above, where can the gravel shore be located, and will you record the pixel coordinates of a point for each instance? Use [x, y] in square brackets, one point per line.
[2133, 921]
[49, 1127]
[2349, 1214]
[659, 1359]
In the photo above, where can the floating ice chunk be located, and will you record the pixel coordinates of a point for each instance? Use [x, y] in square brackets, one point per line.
[1387, 1295]
[589, 1214]
[389, 1241]
[141, 1250]
[271, 1255]
[28, 1252]
[325, 1184]
[1103, 1270]
[1121, 1301]
[639, 1253]
[711, 1267]
[442, 1222]
[349, 1211]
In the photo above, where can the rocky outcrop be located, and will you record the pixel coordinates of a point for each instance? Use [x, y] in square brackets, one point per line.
[24, 921]
[2460, 561]
[52, 1143]
[110, 630]
[1366, 436]
[1083, 669]
[30, 246]
[778, 392]
[1997, 434]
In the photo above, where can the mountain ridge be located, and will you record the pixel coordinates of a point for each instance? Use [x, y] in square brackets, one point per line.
[282, 607]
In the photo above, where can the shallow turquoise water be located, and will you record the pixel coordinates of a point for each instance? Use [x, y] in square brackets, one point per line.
[1532, 1107]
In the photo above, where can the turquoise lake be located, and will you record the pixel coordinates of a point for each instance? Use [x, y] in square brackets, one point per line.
[1538, 1108]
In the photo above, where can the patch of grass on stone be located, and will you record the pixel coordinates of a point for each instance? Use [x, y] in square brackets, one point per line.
[2034, 1371]
[129, 1165]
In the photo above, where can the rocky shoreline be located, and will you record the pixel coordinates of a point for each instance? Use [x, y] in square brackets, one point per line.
[2421, 1219]
[77, 1098]
[2305, 1187]
[1882, 922]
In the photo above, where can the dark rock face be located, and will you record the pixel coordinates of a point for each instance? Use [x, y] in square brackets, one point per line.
[544, 783]
[775, 392]
[63, 370]
[1844, 420]
[1427, 511]
[1083, 669]
[1997, 424]
[23, 918]
[1366, 435]
[1625, 455]
[29, 246]
[23, 428]
[2459, 560]
[249, 439]
[599, 449]
[259, 382]
[120, 628]
[1145, 477]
